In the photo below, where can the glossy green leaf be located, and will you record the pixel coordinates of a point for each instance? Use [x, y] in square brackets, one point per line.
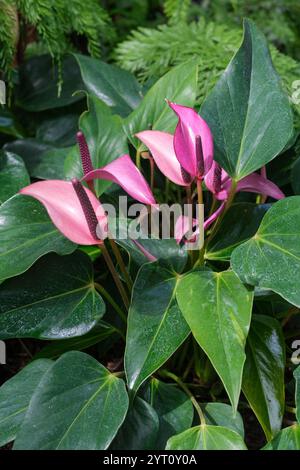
[217, 308]
[295, 176]
[140, 428]
[179, 85]
[13, 175]
[220, 414]
[173, 407]
[26, 234]
[55, 299]
[38, 89]
[72, 407]
[15, 395]
[248, 111]
[156, 327]
[274, 248]
[105, 137]
[263, 379]
[117, 88]
[59, 131]
[287, 439]
[42, 160]
[8, 125]
[99, 333]
[240, 223]
[167, 251]
[206, 438]
[297, 392]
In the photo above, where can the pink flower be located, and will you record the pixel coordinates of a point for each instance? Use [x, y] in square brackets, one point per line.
[186, 155]
[219, 183]
[124, 172]
[73, 209]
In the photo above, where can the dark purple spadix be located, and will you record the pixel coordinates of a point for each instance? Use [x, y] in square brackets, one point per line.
[199, 156]
[87, 207]
[217, 178]
[86, 161]
[185, 175]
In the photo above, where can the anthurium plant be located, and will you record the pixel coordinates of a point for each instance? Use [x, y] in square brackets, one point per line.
[142, 340]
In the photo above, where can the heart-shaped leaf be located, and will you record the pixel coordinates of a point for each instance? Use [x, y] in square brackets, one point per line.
[55, 299]
[217, 308]
[15, 395]
[274, 247]
[117, 88]
[105, 137]
[101, 332]
[220, 414]
[39, 77]
[140, 428]
[287, 439]
[240, 223]
[248, 111]
[207, 438]
[72, 407]
[13, 175]
[178, 85]
[156, 327]
[42, 160]
[26, 234]
[263, 379]
[174, 409]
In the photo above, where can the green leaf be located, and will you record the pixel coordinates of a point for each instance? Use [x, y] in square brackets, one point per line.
[179, 85]
[140, 428]
[217, 308]
[105, 137]
[274, 247]
[13, 175]
[117, 88]
[8, 125]
[263, 379]
[55, 299]
[156, 327]
[248, 111]
[72, 407]
[26, 234]
[287, 439]
[295, 176]
[206, 438]
[42, 160]
[167, 251]
[59, 131]
[39, 77]
[99, 333]
[297, 392]
[173, 407]
[220, 414]
[15, 395]
[240, 223]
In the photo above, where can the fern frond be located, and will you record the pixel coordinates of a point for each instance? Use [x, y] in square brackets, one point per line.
[176, 10]
[9, 33]
[152, 52]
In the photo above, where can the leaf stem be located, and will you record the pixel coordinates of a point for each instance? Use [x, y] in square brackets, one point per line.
[112, 302]
[175, 378]
[221, 216]
[121, 263]
[114, 274]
